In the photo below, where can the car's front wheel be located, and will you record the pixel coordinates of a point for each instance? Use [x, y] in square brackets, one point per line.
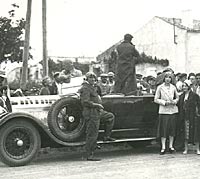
[19, 142]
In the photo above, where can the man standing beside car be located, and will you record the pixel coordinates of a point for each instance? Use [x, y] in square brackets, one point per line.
[93, 113]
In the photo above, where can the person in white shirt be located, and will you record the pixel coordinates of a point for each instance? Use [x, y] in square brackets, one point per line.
[111, 81]
[167, 97]
[103, 84]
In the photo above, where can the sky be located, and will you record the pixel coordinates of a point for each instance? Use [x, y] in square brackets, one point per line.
[89, 27]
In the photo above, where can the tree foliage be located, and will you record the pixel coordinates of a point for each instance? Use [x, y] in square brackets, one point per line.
[11, 31]
[53, 67]
[142, 58]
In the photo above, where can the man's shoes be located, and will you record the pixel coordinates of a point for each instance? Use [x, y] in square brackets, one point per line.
[92, 158]
[109, 139]
[98, 147]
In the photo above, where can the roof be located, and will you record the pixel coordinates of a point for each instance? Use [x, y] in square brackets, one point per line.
[172, 21]
[177, 22]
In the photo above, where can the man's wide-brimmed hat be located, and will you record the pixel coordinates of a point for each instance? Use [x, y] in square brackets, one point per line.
[2, 74]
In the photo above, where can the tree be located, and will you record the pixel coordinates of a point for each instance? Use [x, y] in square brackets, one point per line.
[53, 67]
[11, 32]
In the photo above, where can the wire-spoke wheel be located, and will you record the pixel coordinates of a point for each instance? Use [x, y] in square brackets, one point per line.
[19, 142]
[65, 119]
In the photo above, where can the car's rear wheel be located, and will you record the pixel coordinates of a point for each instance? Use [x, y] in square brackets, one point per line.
[65, 119]
[19, 142]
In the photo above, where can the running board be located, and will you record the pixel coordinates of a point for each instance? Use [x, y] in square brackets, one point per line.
[127, 140]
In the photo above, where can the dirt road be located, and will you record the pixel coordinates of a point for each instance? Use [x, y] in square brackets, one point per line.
[116, 163]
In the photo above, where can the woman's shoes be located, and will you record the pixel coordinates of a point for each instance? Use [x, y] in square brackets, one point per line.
[172, 150]
[185, 152]
[162, 152]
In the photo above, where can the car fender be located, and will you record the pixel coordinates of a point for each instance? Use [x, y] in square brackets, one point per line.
[4, 118]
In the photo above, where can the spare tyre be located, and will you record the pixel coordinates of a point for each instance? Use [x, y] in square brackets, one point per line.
[65, 119]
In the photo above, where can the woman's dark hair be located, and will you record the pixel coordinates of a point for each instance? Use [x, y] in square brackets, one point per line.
[167, 75]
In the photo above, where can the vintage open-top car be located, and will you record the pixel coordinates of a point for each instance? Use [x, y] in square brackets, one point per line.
[54, 121]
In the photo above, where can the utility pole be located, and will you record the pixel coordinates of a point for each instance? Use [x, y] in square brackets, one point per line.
[44, 30]
[174, 28]
[24, 75]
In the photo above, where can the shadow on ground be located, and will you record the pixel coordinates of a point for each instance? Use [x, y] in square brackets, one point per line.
[78, 153]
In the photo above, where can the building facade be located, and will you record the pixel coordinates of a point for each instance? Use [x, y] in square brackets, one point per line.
[167, 38]
[171, 39]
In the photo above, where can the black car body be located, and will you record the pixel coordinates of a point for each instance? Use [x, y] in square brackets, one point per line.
[55, 121]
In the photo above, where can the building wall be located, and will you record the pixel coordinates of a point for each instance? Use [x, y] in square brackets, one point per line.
[156, 38]
[193, 56]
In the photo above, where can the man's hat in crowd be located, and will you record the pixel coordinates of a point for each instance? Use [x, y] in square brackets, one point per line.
[168, 70]
[138, 76]
[90, 74]
[191, 74]
[111, 74]
[104, 75]
[188, 83]
[177, 74]
[197, 74]
[2, 74]
[183, 75]
[56, 74]
[150, 78]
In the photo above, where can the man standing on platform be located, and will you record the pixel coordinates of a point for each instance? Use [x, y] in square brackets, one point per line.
[125, 80]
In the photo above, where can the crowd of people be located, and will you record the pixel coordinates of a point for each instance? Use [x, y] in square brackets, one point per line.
[178, 97]
[179, 103]
[54, 87]
[106, 84]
